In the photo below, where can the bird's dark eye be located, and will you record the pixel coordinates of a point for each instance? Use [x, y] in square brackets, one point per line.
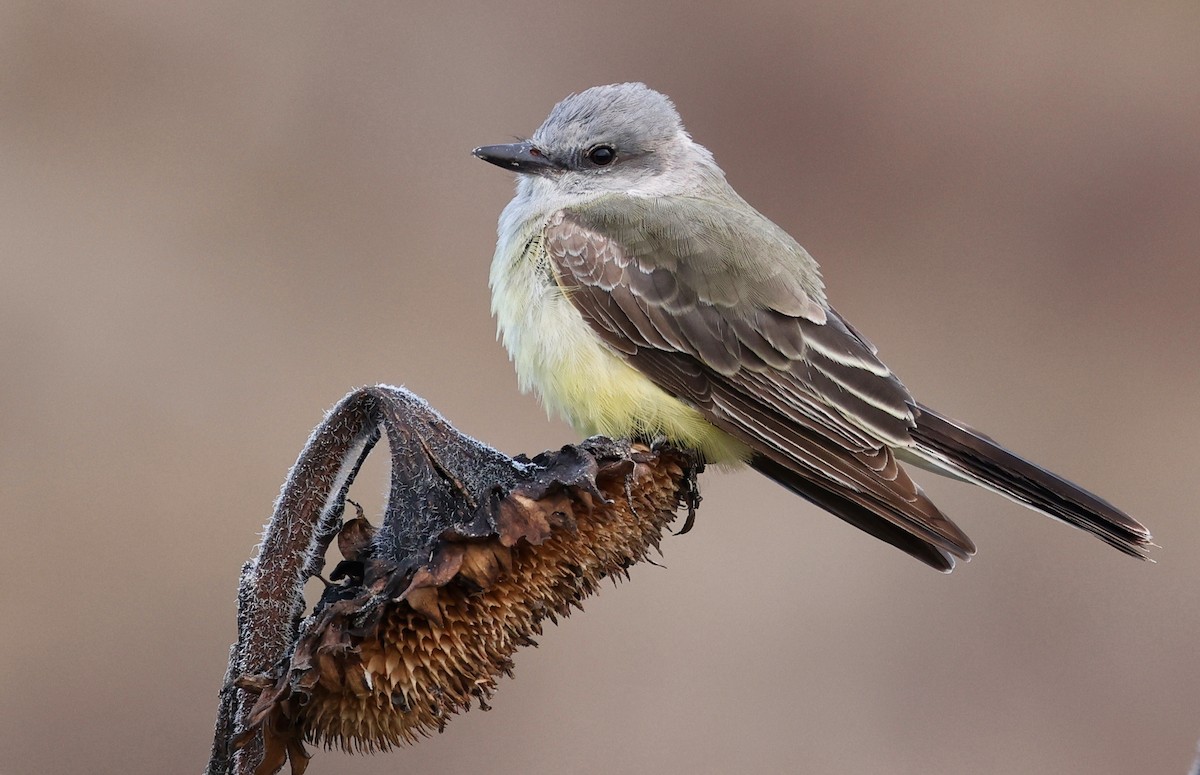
[602, 155]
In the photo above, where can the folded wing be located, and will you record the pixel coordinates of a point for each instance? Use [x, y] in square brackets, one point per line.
[749, 342]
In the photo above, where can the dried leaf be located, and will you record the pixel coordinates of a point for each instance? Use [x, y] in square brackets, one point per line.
[354, 539]
[522, 517]
[480, 564]
[425, 602]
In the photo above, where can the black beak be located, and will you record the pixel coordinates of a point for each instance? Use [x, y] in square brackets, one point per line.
[518, 157]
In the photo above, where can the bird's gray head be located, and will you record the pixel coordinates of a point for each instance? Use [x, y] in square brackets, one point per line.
[608, 138]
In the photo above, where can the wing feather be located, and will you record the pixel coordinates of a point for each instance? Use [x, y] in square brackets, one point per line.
[759, 355]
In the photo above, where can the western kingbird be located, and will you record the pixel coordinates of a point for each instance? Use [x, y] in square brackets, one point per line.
[641, 297]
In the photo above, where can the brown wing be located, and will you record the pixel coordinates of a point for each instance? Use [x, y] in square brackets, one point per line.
[803, 390]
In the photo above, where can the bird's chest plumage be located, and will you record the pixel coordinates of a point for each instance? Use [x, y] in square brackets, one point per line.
[554, 350]
[557, 354]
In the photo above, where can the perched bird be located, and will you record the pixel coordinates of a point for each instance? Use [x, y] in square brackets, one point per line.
[642, 297]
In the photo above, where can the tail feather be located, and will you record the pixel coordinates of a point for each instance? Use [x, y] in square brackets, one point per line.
[976, 458]
[857, 513]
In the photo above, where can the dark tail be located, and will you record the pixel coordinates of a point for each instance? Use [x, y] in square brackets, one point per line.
[982, 461]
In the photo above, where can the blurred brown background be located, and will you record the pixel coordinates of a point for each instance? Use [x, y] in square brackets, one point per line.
[217, 219]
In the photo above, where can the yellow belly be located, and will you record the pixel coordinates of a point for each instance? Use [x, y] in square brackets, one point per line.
[557, 355]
